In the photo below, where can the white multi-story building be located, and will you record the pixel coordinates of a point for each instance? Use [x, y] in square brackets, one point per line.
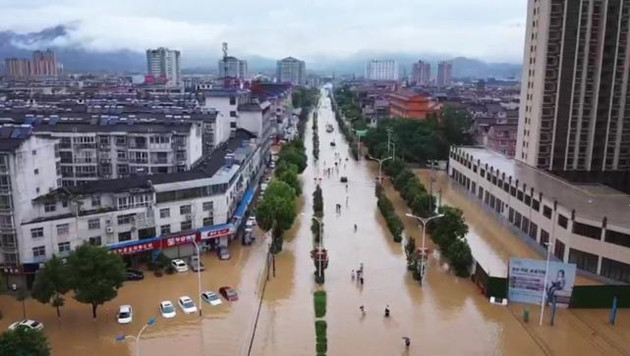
[381, 69]
[29, 167]
[236, 68]
[587, 225]
[164, 66]
[444, 73]
[291, 70]
[139, 214]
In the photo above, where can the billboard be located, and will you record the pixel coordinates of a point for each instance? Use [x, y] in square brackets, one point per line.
[527, 281]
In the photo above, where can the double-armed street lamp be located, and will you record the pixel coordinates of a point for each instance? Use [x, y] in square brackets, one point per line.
[423, 222]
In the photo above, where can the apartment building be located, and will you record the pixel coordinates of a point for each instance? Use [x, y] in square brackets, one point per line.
[575, 88]
[584, 224]
[136, 215]
[236, 68]
[164, 67]
[421, 73]
[445, 73]
[29, 167]
[291, 70]
[382, 69]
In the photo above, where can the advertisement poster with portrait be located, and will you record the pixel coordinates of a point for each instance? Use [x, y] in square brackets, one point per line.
[527, 281]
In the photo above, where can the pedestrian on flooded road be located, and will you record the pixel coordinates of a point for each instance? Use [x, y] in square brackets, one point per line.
[362, 309]
[407, 341]
[361, 279]
[355, 227]
[347, 197]
[387, 311]
[352, 275]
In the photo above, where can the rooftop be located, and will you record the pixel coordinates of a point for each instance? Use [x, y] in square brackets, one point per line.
[592, 201]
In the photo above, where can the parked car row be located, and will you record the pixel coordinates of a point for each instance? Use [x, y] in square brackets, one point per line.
[166, 307]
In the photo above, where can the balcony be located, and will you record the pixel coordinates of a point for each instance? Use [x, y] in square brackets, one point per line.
[83, 146]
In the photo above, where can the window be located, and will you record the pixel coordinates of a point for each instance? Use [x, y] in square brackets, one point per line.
[39, 251]
[232, 113]
[544, 238]
[165, 229]
[535, 205]
[585, 230]
[185, 210]
[547, 212]
[34, 152]
[64, 203]
[533, 230]
[124, 236]
[95, 240]
[517, 219]
[37, 232]
[50, 207]
[209, 221]
[512, 191]
[563, 221]
[96, 200]
[126, 219]
[186, 225]
[121, 154]
[511, 215]
[208, 206]
[528, 200]
[583, 260]
[558, 250]
[36, 171]
[525, 225]
[165, 213]
[121, 140]
[616, 270]
[232, 100]
[617, 238]
[37, 190]
[63, 229]
[519, 195]
[94, 224]
[64, 247]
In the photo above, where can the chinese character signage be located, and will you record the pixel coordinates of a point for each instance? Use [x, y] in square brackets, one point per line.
[180, 240]
[216, 233]
[527, 281]
[130, 250]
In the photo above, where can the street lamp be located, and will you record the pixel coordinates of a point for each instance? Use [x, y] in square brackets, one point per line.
[198, 274]
[321, 240]
[121, 338]
[542, 302]
[380, 167]
[424, 222]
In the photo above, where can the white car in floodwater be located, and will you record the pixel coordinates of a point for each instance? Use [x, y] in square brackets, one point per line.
[125, 314]
[179, 265]
[167, 309]
[27, 324]
[211, 297]
[187, 305]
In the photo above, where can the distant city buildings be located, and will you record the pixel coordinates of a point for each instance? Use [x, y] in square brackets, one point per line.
[445, 73]
[575, 108]
[381, 69]
[42, 64]
[421, 73]
[164, 67]
[236, 68]
[291, 70]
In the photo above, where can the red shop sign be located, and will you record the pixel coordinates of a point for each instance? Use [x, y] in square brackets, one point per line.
[130, 250]
[180, 240]
[216, 233]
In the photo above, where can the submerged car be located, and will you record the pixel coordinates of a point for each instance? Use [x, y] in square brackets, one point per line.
[187, 305]
[196, 264]
[125, 314]
[229, 293]
[179, 265]
[211, 297]
[224, 253]
[134, 275]
[167, 309]
[27, 324]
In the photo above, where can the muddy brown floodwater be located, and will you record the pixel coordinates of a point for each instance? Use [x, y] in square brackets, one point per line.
[447, 316]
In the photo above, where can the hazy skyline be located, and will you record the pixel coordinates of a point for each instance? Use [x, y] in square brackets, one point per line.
[491, 30]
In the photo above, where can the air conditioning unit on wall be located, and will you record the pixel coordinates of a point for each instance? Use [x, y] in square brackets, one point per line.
[110, 230]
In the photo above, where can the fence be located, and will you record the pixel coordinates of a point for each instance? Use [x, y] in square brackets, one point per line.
[600, 296]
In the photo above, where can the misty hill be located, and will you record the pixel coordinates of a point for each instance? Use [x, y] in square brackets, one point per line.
[75, 58]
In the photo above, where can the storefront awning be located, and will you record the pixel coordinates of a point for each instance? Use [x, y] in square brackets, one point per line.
[247, 198]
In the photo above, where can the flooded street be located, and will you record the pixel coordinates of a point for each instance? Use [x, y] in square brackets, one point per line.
[447, 316]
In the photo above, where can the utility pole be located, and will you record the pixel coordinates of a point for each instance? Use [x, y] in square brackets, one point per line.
[389, 138]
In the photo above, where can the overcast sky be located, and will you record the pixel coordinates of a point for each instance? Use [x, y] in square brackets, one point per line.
[492, 30]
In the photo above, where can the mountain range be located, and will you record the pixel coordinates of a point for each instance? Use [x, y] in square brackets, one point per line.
[76, 58]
